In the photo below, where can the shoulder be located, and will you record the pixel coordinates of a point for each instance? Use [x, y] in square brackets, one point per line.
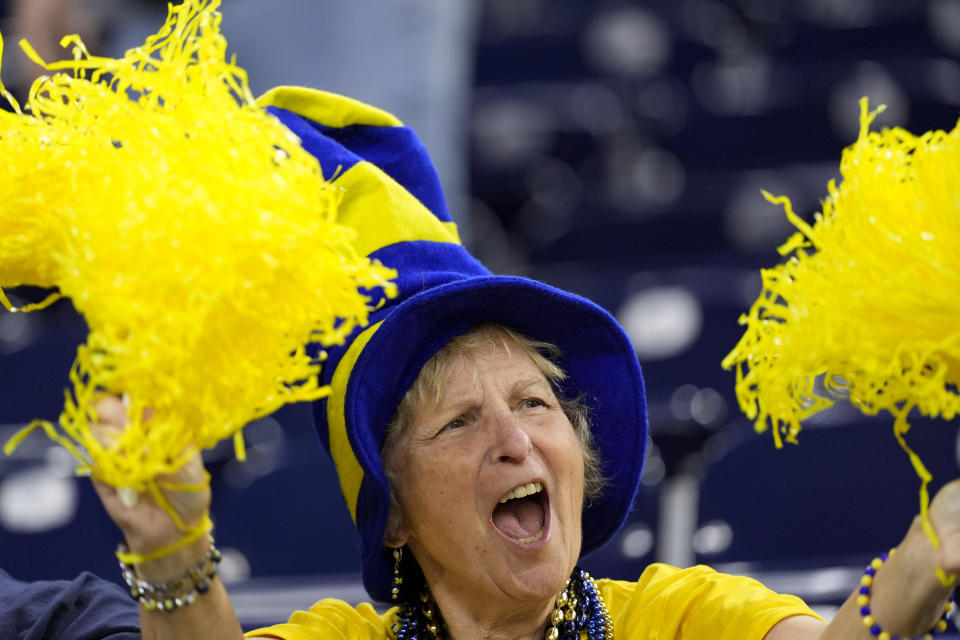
[699, 601]
[332, 619]
[665, 581]
[697, 583]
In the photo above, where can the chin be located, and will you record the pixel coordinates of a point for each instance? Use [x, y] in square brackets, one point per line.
[536, 566]
[536, 580]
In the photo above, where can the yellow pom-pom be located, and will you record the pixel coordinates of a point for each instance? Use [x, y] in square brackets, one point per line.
[866, 300]
[865, 305]
[192, 231]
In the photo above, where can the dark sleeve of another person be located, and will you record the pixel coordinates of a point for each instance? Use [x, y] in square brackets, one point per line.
[85, 608]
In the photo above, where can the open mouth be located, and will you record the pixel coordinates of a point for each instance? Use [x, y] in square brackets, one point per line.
[521, 514]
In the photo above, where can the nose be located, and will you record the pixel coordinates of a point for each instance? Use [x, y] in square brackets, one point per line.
[512, 442]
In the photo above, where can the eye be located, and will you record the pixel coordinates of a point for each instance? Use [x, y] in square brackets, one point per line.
[532, 403]
[454, 424]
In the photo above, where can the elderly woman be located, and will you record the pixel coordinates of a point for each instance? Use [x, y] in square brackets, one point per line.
[487, 432]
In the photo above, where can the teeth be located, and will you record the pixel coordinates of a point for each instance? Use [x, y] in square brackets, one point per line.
[522, 491]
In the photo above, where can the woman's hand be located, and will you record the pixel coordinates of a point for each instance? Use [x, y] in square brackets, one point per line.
[907, 596]
[146, 526]
[945, 518]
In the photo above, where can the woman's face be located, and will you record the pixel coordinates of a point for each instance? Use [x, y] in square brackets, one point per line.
[461, 463]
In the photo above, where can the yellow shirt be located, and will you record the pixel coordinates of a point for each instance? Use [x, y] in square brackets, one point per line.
[666, 603]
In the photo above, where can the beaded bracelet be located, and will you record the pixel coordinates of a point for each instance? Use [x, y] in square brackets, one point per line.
[863, 599]
[178, 592]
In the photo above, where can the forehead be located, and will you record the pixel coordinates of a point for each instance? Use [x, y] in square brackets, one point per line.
[460, 364]
[497, 359]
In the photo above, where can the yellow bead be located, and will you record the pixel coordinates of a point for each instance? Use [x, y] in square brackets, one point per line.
[557, 617]
[868, 621]
[941, 625]
[553, 634]
[866, 581]
[876, 563]
[928, 636]
[883, 636]
[862, 599]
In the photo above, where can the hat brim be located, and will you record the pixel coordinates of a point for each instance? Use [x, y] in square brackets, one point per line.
[597, 356]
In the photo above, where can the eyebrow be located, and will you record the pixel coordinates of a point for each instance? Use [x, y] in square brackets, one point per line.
[526, 383]
[462, 406]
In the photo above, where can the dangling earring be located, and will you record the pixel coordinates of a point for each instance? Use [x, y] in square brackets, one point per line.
[397, 580]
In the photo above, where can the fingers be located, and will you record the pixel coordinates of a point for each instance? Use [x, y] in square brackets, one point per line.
[128, 496]
[104, 491]
[111, 502]
[111, 411]
[174, 502]
[945, 517]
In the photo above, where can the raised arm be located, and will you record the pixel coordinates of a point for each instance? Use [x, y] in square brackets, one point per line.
[906, 598]
[147, 528]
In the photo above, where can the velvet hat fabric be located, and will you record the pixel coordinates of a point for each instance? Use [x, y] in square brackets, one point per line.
[392, 197]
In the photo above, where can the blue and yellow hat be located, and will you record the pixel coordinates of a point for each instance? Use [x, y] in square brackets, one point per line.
[392, 197]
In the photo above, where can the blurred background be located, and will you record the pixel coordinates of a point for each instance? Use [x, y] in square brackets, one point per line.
[616, 149]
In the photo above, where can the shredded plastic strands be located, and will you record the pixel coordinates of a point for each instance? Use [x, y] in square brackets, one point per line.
[191, 230]
[866, 301]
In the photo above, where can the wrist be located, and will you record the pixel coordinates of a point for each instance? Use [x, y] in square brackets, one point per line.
[153, 560]
[171, 564]
[166, 584]
[907, 597]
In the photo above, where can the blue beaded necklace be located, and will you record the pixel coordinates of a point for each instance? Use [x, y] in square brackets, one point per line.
[578, 608]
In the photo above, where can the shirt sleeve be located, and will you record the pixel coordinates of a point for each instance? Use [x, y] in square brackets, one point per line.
[85, 608]
[331, 619]
[696, 604]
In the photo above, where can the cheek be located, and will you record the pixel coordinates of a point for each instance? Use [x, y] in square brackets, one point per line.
[573, 449]
[433, 489]
[566, 456]
[577, 469]
[576, 481]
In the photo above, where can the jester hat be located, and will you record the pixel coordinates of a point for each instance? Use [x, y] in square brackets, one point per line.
[392, 197]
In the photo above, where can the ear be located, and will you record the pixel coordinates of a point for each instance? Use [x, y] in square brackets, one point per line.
[397, 532]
